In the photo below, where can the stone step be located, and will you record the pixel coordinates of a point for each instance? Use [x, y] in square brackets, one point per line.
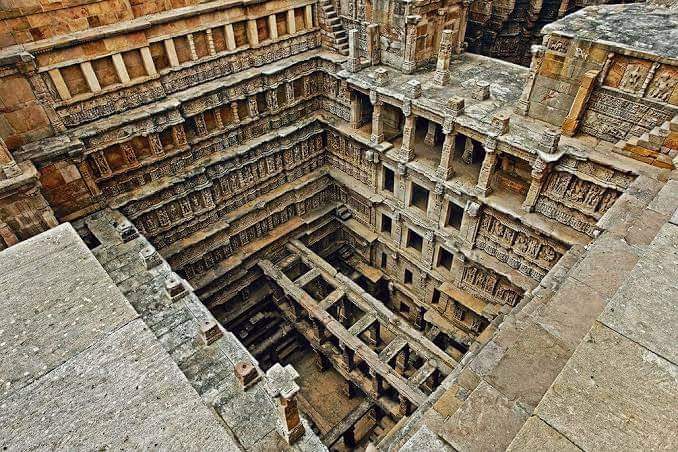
[647, 142]
[341, 33]
[342, 41]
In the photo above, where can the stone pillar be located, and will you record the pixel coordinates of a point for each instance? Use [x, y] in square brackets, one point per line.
[523, 104]
[486, 170]
[253, 107]
[442, 74]
[200, 124]
[374, 334]
[430, 137]
[419, 319]
[353, 63]
[147, 59]
[539, 171]
[467, 155]
[409, 60]
[179, 135]
[8, 166]
[409, 130]
[236, 113]
[59, 84]
[90, 77]
[230, 37]
[321, 361]
[373, 44]
[350, 389]
[210, 42]
[308, 16]
[291, 22]
[252, 33]
[191, 46]
[402, 360]
[438, 200]
[355, 111]
[101, 164]
[272, 27]
[120, 68]
[348, 356]
[289, 92]
[377, 383]
[469, 223]
[282, 386]
[405, 405]
[377, 123]
[129, 154]
[318, 330]
[171, 52]
[571, 122]
[446, 169]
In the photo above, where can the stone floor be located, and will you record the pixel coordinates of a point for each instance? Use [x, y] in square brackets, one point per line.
[79, 368]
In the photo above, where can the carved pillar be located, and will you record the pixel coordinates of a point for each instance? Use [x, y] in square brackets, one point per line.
[467, 155]
[430, 137]
[355, 111]
[129, 154]
[289, 92]
[486, 170]
[236, 114]
[210, 42]
[409, 60]
[446, 169]
[191, 46]
[373, 44]
[101, 164]
[282, 386]
[155, 144]
[523, 104]
[374, 334]
[377, 123]
[427, 250]
[442, 74]
[179, 135]
[402, 184]
[407, 147]
[272, 99]
[88, 178]
[253, 107]
[318, 330]
[308, 16]
[571, 122]
[439, 198]
[200, 124]
[539, 171]
[353, 63]
[419, 319]
[469, 222]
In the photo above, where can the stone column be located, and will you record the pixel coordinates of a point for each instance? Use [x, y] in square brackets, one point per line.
[523, 104]
[377, 383]
[402, 360]
[439, 199]
[419, 319]
[230, 37]
[405, 405]
[200, 124]
[571, 122]
[467, 155]
[90, 77]
[442, 74]
[129, 154]
[272, 27]
[289, 92]
[409, 60]
[191, 46]
[101, 164]
[321, 361]
[282, 386]
[409, 130]
[291, 22]
[236, 113]
[120, 68]
[373, 44]
[430, 137]
[355, 111]
[350, 389]
[253, 107]
[252, 33]
[353, 63]
[377, 123]
[318, 330]
[210, 42]
[147, 59]
[179, 135]
[469, 222]
[348, 357]
[308, 16]
[539, 171]
[171, 51]
[8, 166]
[446, 169]
[374, 334]
[486, 170]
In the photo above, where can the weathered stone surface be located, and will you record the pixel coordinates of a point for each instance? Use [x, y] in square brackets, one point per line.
[425, 441]
[537, 435]
[614, 394]
[487, 421]
[644, 308]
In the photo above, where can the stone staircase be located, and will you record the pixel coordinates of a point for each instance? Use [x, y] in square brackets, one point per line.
[334, 35]
[658, 147]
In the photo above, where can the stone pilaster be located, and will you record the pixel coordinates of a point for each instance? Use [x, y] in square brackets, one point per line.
[539, 171]
[487, 168]
[409, 129]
